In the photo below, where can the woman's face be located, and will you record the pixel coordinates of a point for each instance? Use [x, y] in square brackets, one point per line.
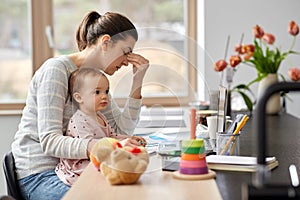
[116, 55]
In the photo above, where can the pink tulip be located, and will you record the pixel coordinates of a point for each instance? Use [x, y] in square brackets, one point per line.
[294, 74]
[235, 60]
[238, 48]
[258, 32]
[220, 65]
[247, 56]
[249, 48]
[269, 38]
[293, 28]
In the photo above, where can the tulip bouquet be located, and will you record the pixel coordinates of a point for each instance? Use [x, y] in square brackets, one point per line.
[263, 55]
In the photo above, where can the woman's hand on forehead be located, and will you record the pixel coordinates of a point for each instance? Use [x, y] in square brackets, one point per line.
[139, 62]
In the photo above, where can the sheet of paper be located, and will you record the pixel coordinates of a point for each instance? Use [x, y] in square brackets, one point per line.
[161, 123]
[235, 160]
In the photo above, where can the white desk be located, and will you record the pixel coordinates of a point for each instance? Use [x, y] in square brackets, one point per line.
[153, 184]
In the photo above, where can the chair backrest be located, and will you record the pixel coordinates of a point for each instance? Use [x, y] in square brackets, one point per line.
[13, 188]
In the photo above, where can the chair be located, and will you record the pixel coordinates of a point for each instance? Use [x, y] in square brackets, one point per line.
[13, 188]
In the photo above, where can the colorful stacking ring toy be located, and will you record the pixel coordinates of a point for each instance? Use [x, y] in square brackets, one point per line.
[193, 160]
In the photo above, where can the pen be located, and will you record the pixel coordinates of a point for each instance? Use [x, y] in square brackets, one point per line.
[233, 126]
[241, 124]
[237, 130]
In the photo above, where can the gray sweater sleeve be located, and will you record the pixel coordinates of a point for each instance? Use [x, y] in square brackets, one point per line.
[123, 121]
[51, 95]
[39, 141]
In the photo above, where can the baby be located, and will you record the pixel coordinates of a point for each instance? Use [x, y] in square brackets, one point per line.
[89, 89]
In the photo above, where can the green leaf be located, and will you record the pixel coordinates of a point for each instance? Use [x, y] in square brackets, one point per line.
[293, 52]
[241, 86]
[240, 89]
[259, 77]
[282, 77]
[247, 100]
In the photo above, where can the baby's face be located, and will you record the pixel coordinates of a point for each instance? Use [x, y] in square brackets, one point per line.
[94, 93]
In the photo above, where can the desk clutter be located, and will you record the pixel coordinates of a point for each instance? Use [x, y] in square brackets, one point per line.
[225, 141]
[194, 163]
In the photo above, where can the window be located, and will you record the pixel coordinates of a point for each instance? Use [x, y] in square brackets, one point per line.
[163, 39]
[15, 48]
[166, 31]
[22, 20]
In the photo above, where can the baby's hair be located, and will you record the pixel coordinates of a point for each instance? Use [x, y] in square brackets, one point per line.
[76, 79]
[94, 25]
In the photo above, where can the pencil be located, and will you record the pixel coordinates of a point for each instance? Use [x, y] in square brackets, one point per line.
[241, 124]
[232, 149]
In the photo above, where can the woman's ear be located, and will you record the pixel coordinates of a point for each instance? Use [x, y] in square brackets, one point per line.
[105, 41]
[77, 97]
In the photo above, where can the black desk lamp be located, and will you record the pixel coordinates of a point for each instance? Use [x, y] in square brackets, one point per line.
[260, 188]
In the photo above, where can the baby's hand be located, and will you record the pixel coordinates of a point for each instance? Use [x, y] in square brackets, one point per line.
[140, 140]
[131, 140]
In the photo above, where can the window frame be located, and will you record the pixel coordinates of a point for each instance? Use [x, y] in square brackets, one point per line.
[42, 16]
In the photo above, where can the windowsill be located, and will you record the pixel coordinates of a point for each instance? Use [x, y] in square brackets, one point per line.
[10, 112]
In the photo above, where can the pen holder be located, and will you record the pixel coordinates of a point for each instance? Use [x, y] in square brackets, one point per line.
[205, 136]
[228, 144]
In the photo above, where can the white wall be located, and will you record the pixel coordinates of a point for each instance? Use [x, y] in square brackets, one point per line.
[9, 125]
[234, 17]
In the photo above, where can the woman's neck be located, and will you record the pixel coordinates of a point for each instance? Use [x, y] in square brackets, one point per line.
[86, 57]
[78, 58]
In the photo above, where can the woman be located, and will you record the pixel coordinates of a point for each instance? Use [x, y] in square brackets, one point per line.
[104, 42]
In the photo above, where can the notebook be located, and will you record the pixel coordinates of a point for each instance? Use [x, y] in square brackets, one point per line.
[238, 163]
